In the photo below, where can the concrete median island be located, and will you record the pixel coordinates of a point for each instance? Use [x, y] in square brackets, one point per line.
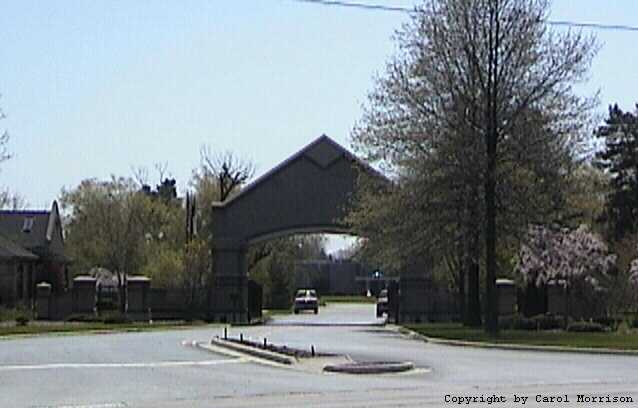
[306, 360]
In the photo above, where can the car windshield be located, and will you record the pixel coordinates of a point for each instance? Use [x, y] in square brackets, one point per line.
[301, 293]
[312, 293]
[383, 293]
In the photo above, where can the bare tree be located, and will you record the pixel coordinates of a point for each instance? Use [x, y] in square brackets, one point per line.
[230, 171]
[140, 175]
[12, 201]
[162, 170]
[8, 200]
[4, 140]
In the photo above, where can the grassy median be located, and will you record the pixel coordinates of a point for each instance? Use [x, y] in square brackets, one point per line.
[451, 331]
[9, 329]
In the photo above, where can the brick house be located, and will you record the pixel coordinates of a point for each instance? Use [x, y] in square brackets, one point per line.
[31, 251]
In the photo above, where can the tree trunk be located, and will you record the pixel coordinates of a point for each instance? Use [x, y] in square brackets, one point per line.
[491, 138]
[462, 303]
[567, 312]
[490, 250]
[473, 312]
[472, 256]
[122, 295]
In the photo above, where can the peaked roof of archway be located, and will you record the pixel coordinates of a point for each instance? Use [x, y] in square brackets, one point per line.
[323, 151]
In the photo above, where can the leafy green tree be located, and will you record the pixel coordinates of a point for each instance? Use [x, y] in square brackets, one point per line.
[586, 192]
[165, 267]
[272, 265]
[106, 226]
[478, 112]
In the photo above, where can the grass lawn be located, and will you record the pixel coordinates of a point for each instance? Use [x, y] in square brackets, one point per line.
[348, 299]
[451, 331]
[34, 328]
[275, 312]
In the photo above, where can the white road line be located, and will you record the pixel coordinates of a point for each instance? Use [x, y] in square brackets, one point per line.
[106, 405]
[160, 364]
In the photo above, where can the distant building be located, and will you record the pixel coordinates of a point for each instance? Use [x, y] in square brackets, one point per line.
[31, 251]
[335, 277]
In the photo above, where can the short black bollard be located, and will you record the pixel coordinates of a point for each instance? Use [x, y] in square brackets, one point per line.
[265, 342]
[241, 337]
[225, 333]
[312, 350]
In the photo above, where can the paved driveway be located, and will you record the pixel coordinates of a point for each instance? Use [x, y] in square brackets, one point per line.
[334, 314]
[161, 369]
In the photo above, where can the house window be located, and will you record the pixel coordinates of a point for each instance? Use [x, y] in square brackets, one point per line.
[28, 224]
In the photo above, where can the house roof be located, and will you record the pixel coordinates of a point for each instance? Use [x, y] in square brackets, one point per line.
[12, 226]
[27, 234]
[10, 250]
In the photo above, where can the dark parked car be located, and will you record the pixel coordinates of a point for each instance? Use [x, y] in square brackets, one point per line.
[306, 299]
[382, 303]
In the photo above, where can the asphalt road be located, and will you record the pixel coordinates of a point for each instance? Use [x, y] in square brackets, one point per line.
[162, 369]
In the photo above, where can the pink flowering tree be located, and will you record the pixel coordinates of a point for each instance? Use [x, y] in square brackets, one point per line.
[565, 256]
[633, 279]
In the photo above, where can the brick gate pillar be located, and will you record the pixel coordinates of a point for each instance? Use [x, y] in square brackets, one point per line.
[43, 301]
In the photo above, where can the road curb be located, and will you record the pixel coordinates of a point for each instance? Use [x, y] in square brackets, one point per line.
[321, 324]
[370, 368]
[254, 352]
[516, 347]
[409, 333]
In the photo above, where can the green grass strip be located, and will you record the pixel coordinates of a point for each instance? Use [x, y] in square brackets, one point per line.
[613, 340]
[33, 329]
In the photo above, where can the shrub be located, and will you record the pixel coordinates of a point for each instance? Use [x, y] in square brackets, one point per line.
[81, 318]
[6, 314]
[13, 313]
[20, 315]
[525, 323]
[539, 322]
[624, 327]
[587, 327]
[516, 322]
[22, 320]
[547, 322]
[507, 322]
[608, 321]
[115, 318]
[104, 305]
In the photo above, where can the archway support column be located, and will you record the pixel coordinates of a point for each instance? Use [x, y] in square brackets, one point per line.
[309, 191]
[228, 301]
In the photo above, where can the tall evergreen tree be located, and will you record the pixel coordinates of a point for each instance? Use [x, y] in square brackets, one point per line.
[619, 159]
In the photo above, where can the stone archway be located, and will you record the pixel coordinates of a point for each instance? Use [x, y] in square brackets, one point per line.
[308, 192]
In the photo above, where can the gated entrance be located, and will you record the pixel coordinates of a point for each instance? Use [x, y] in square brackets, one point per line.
[310, 192]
